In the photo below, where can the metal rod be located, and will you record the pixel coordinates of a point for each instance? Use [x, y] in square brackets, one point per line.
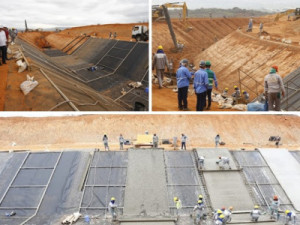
[28, 186]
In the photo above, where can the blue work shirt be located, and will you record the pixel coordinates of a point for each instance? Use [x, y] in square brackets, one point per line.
[200, 81]
[183, 77]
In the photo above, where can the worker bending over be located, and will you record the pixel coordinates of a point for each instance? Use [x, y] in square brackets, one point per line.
[223, 161]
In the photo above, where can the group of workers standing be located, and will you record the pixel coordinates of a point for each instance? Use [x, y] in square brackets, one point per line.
[204, 79]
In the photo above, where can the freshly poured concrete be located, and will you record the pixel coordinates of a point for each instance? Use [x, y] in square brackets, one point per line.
[287, 171]
[212, 156]
[225, 187]
[146, 187]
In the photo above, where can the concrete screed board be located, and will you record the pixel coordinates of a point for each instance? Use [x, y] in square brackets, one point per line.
[226, 188]
[287, 171]
[146, 187]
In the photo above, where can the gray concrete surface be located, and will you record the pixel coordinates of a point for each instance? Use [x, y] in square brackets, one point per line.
[146, 187]
[287, 171]
[226, 189]
[147, 223]
[212, 155]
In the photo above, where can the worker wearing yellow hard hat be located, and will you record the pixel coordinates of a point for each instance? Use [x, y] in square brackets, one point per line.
[160, 62]
[178, 204]
[112, 208]
[255, 214]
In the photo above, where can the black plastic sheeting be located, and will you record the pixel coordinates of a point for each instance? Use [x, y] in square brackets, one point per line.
[291, 82]
[182, 179]
[260, 178]
[106, 179]
[54, 52]
[62, 196]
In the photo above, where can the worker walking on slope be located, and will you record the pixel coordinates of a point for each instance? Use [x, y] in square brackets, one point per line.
[121, 141]
[183, 141]
[274, 208]
[155, 141]
[105, 142]
[178, 205]
[273, 89]
[200, 163]
[290, 217]
[212, 79]
[217, 140]
[250, 25]
[112, 208]
[223, 161]
[183, 77]
[255, 214]
[199, 211]
[160, 61]
[200, 86]
[261, 28]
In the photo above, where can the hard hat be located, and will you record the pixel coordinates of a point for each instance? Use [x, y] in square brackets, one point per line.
[200, 196]
[199, 201]
[112, 198]
[202, 63]
[234, 86]
[160, 47]
[221, 216]
[219, 211]
[275, 67]
[272, 70]
[207, 63]
[175, 199]
[275, 197]
[184, 61]
[223, 208]
[287, 211]
[226, 89]
[230, 208]
[256, 207]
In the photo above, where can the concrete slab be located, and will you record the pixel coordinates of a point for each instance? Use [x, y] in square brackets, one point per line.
[147, 223]
[287, 171]
[211, 155]
[146, 187]
[227, 188]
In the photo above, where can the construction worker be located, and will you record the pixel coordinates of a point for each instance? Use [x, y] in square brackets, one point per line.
[216, 214]
[200, 86]
[121, 141]
[273, 89]
[3, 43]
[115, 35]
[290, 217]
[223, 161]
[227, 213]
[246, 96]
[200, 164]
[274, 208]
[183, 141]
[112, 208]
[261, 28]
[178, 205]
[255, 214]
[217, 140]
[105, 142]
[199, 211]
[200, 197]
[225, 93]
[183, 77]
[250, 25]
[211, 80]
[160, 61]
[236, 95]
[155, 141]
[220, 220]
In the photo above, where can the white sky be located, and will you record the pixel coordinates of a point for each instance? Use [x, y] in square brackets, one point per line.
[65, 13]
[244, 4]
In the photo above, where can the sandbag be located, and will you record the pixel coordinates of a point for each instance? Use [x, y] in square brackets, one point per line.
[28, 85]
[256, 106]
[22, 66]
[241, 107]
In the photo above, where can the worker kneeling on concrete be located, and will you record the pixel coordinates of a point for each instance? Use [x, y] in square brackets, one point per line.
[290, 217]
[112, 208]
[223, 161]
[201, 163]
[217, 213]
[220, 220]
[199, 212]
[255, 214]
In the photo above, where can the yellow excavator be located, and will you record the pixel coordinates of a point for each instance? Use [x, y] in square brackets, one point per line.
[157, 10]
[294, 12]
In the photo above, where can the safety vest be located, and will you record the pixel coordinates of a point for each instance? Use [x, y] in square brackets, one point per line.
[210, 77]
